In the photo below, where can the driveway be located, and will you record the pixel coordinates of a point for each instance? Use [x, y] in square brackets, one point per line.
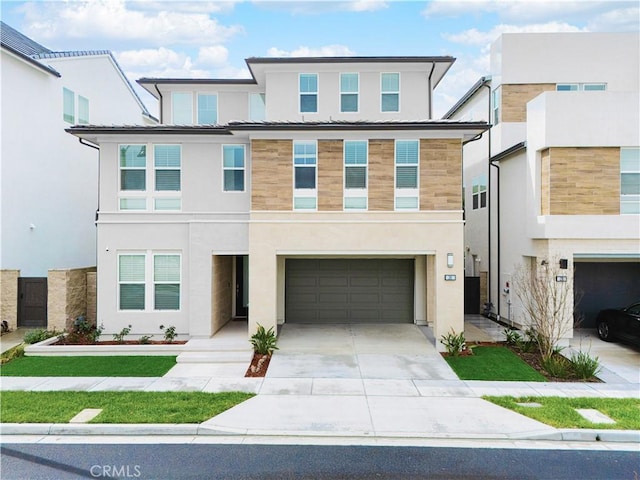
[357, 351]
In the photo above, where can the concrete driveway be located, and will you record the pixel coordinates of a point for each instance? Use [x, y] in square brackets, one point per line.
[352, 351]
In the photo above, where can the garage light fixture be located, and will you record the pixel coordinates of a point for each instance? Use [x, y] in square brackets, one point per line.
[450, 260]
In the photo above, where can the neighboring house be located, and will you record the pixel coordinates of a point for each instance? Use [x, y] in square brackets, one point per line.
[318, 191]
[564, 180]
[48, 194]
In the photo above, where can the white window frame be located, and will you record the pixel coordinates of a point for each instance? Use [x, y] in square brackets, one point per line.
[582, 87]
[406, 192]
[382, 92]
[173, 107]
[244, 166]
[316, 93]
[303, 193]
[149, 281]
[253, 116]
[356, 93]
[68, 111]
[166, 194]
[207, 94]
[496, 100]
[83, 116]
[629, 199]
[355, 192]
[479, 181]
[133, 195]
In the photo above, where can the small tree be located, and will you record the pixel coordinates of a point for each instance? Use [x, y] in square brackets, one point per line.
[547, 300]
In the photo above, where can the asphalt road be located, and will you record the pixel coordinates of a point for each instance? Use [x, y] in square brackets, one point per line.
[198, 461]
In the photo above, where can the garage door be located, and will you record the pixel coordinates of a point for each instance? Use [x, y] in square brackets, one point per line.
[605, 285]
[349, 291]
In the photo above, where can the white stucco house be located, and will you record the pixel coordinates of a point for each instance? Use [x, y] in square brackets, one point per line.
[558, 176]
[48, 192]
[320, 190]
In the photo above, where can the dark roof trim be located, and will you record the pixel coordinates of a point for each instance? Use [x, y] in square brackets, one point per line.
[509, 151]
[465, 98]
[415, 59]
[33, 62]
[340, 125]
[150, 129]
[200, 81]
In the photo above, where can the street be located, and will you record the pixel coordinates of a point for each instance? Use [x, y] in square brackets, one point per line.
[224, 461]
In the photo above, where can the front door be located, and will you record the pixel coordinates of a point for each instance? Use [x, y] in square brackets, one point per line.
[32, 302]
[242, 290]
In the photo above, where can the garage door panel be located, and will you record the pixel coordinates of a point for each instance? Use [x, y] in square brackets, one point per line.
[349, 290]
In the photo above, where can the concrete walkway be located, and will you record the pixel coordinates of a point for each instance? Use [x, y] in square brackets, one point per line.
[356, 381]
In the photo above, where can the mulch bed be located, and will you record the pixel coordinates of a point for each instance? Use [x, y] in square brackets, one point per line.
[258, 366]
[113, 342]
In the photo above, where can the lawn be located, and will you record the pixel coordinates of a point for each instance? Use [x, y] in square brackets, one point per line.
[118, 407]
[103, 366]
[559, 412]
[493, 363]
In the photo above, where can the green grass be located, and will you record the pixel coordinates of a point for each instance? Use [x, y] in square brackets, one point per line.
[109, 366]
[119, 407]
[559, 412]
[493, 363]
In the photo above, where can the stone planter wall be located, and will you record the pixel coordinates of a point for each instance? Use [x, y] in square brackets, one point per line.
[9, 297]
[71, 294]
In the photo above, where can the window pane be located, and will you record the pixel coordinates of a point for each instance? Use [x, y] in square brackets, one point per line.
[304, 203]
[630, 159]
[305, 177]
[355, 177]
[304, 148]
[257, 107]
[390, 82]
[182, 108]
[407, 177]
[355, 153]
[167, 180]
[630, 208]
[166, 268]
[167, 204]
[407, 151]
[349, 102]
[406, 203]
[133, 156]
[630, 184]
[233, 180]
[475, 202]
[68, 106]
[309, 103]
[207, 109]
[131, 268]
[133, 180]
[390, 102]
[233, 156]
[595, 87]
[483, 199]
[355, 203]
[167, 155]
[567, 87]
[131, 297]
[133, 204]
[308, 83]
[83, 110]
[349, 83]
[167, 297]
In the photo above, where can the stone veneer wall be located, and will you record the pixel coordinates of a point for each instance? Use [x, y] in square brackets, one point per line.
[484, 289]
[580, 181]
[221, 291]
[441, 174]
[67, 297]
[514, 99]
[9, 297]
[92, 294]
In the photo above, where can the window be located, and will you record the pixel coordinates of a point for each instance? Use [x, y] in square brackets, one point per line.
[349, 92]
[167, 164]
[135, 292]
[133, 176]
[233, 168]
[257, 107]
[630, 181]
[390, 92]
[182, 108]
[308, 93]
[495, 105]
[83, 110]
[207, 109]
[479, 192]
[406, 195]
[581, 87]
[68, 106]
[304, 164]
[355, 175]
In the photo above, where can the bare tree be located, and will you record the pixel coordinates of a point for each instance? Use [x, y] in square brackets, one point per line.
[547, 301]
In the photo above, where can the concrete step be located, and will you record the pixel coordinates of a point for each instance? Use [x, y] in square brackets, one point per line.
[227, 356]
[209, 345]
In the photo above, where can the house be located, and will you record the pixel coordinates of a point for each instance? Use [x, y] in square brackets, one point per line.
[318, 191]
[557, 179]
[49, 180]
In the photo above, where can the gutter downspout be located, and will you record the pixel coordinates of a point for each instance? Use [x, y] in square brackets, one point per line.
[433, 67]
[155, 85]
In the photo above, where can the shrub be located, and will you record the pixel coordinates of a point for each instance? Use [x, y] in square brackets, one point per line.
[169, 333]
[454, 344]
[557, 366]
[264, 341]
[145, 339]
[584, 365]
[512, 336]
[15, 352]
[35, 336]
[119, 337]
[83, 332]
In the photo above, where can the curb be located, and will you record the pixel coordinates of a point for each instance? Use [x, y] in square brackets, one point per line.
[196, 429]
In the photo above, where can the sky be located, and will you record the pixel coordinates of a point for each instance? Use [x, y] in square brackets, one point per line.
[211, 39]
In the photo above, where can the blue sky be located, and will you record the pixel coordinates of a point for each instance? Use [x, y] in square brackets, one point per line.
[166, 38]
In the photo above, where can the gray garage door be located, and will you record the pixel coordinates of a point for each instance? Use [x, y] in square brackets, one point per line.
[349, 291]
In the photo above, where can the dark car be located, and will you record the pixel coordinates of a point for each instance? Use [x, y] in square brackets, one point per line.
[620, 324]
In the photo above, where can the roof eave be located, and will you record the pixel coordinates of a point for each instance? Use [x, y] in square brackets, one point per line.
[31, 61]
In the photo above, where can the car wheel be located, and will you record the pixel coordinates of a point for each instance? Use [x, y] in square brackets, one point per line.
[603, 331]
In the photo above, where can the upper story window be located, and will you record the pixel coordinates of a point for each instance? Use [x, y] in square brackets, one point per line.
[495, 105]
[83, 110]
[305, 193]
[207, 109]
[390, 92]
[349, 87]
[149, 281]
[355, 175]
[233, 165]
[68, 106]
[479, 193]
[165, 176]
[407, 161]
[257, 107]
[308, 92]
[581, 87]
[630, 181]
[182, 108]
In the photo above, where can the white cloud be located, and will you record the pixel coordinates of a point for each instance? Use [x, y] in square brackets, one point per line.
[313, 7]
[114, 19]
[150, 58]
[623, 19]
[482, 38]
[302, 51]
[201, 6]
[367, 5]
[216, 55]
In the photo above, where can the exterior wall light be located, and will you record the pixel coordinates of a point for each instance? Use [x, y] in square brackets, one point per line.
[450, 260]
